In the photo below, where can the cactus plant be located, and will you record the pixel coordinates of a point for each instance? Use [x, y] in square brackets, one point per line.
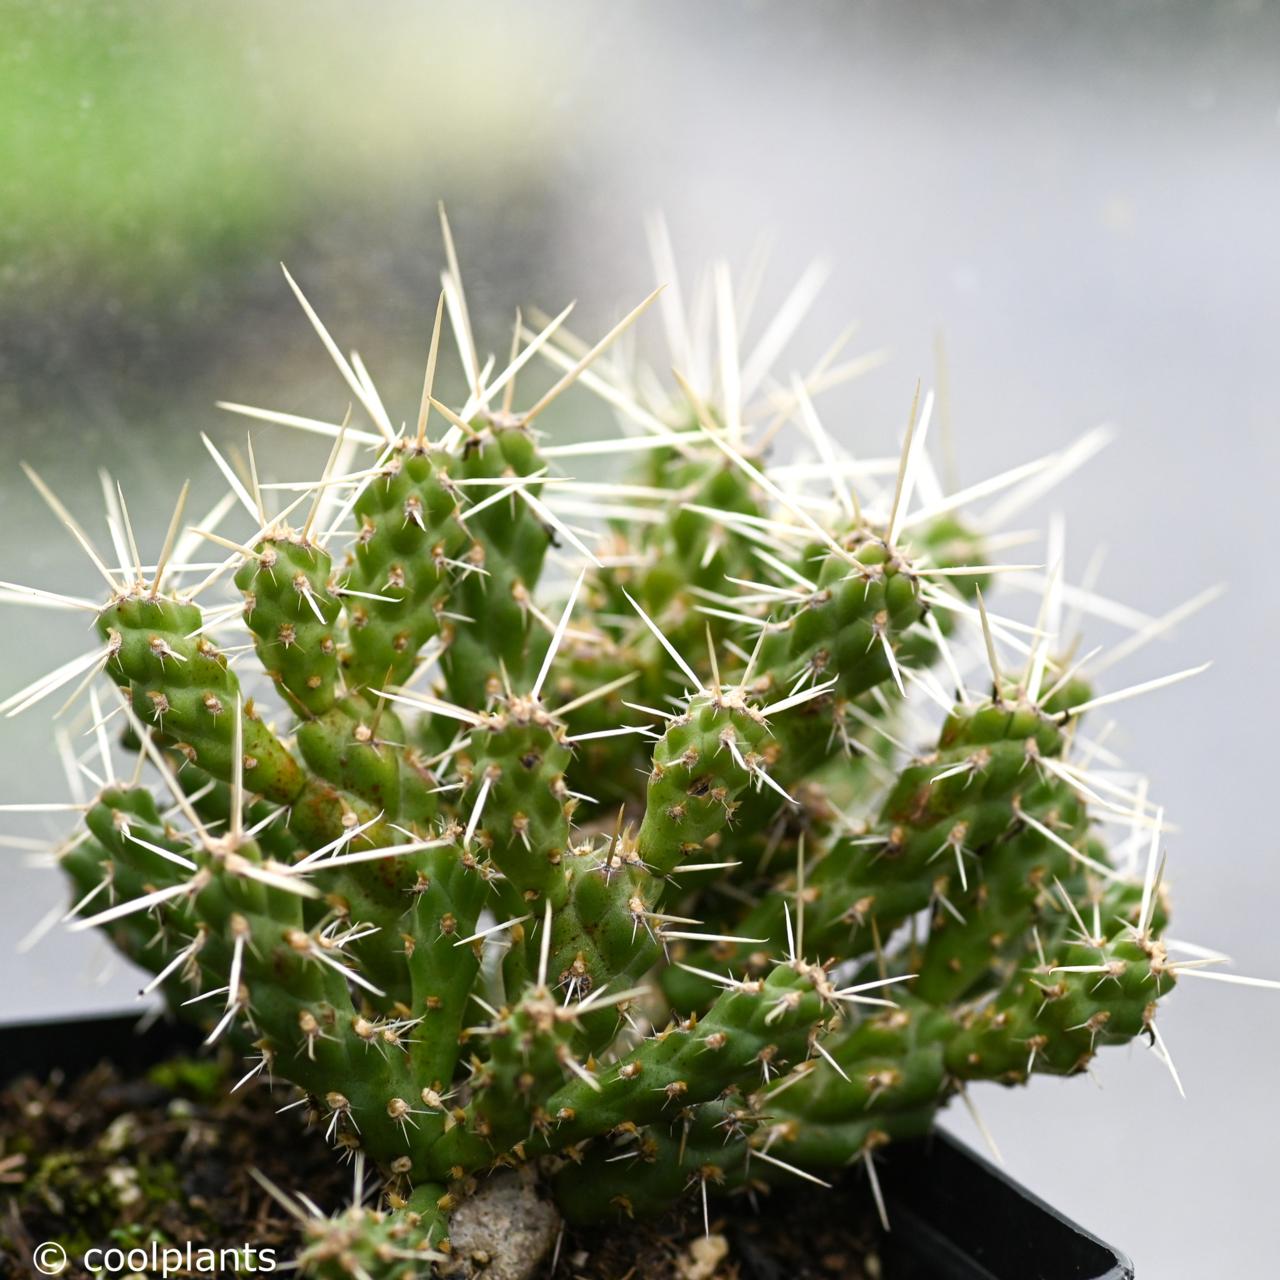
[672, 887]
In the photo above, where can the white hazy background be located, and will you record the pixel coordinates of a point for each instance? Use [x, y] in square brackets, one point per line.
[1083, 198]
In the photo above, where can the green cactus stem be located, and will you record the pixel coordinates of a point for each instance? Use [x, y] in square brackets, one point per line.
[669, 834]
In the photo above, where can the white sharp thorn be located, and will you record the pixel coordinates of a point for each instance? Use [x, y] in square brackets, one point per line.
[56, 505]
[707, 937]
[54, 680]
[1195, 949]
[345, 838]
[1162, 1052]
[456, 302]
[1238, 979]
[84, 902]
[167, 854]
[144, 903]
[373, 406]
[366, 855]
[853, 992]
[1158, 627]
[1136, 690]
[892, 660]
[1053, 837]
[758, 477]
[544, 947]
[275, 875]
[426, 703]
[822, 442]
[223, 1023]
[322, 489]
[974, 492]
[29, 843]
[1149, 878]
[541, 509]
[603, 691]
[228, 472]
[491, 930]
[572, 375]
[476, 810]
[621, 444]
[727, 348]
[41, 929]
[509, 487]
[665, 643]
[115, 527]
[912, 447]
[757, 1154]
[643, 730]
[664, 269]
[57, 806]
[973, 570]
[989, 642]
[835, 1066]
[162, 767]
[379, 412]
[350, 974]
[1058, 467]
[176, 963]
[785, 569]
[313, 425]
[534, 346]
[556, 639]
[782, 327]
[874, 1179]
[774, 786]
[720, 979]
[925, 680]
[798, 699]
[284, 1200]
[17, 593]
[237, 773]
[598, 1000]
[237, 965]
[1068, 675]
[981, 1125]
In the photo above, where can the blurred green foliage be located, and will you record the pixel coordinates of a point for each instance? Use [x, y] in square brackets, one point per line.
[134, 132]
[144, 142]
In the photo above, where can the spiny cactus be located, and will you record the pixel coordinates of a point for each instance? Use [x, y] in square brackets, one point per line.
[671, 887]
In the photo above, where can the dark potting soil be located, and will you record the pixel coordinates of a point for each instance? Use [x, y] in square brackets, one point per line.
[102, 1160]
[164, 1157]
[783, 1236]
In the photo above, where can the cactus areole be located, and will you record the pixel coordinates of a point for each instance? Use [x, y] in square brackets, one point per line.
[694, 831]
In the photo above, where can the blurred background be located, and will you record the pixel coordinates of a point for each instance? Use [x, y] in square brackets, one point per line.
[1083, 199]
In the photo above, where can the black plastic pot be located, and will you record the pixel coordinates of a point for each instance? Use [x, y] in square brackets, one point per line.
[954, 1215]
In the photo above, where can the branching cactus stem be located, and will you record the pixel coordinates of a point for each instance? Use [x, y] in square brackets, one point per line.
[691, 832]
